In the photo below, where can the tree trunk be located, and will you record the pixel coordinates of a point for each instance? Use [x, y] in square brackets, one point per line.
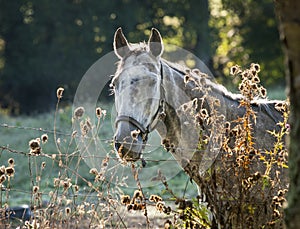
[288, 12]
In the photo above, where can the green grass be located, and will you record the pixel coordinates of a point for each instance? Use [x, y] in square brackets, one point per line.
[16, 132]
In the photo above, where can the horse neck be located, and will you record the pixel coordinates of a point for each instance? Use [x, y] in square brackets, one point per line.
[177, 93]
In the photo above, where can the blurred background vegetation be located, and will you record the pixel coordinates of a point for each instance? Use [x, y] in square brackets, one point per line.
[45, 44]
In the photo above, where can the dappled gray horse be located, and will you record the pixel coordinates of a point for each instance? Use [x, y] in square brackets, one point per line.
[152, 93]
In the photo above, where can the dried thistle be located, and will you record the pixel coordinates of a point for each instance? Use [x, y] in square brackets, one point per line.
[76, 188]
[98, 112]
[155, 198]
[94, 171]
[187, 71]
[256, 67]
[245, 74]
[105, 162]
[227, 125]
[34, 143]
[281, 106]
[56, 182]
[85, 127]
[2, 178]
[204, 113]
[67, 211]
[74, 133]
[135, 134]
[10, 171]
[137, 194]
[59, 92]
[79, 112]
[195, 103]
[35, 189]
[100, 176]
[125, 199]
[263, 92]
[253, 73]
[168, 224]
[186, 79]
[44, 138]
[67, 184]
[35, 147]
[166, 143]
[256, 80]
[234, 70]
[160, 206]
[11, 162]
[89, 124]
[196, 71]
[130, 207]
[43, 165]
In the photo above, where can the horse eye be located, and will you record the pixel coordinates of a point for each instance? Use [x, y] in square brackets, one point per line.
[134, 80]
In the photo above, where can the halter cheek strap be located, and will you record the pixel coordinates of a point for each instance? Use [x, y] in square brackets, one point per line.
[160, 114]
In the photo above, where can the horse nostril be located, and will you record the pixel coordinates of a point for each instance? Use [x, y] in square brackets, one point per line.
[117, 146]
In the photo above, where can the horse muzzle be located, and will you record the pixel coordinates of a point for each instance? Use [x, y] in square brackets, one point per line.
[128, 142]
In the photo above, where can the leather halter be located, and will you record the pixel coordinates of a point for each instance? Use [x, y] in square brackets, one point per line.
[160, 113]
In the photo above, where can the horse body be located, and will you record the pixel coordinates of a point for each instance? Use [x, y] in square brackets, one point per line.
[151, 93]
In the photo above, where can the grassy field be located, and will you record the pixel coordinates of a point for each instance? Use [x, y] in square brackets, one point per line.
[16, 132]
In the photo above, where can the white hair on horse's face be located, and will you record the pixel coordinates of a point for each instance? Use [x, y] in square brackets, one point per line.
[137, 87]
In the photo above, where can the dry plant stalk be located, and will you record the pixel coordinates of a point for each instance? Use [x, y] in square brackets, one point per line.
[246, 187]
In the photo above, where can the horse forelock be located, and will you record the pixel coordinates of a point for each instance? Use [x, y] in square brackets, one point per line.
[139, 55]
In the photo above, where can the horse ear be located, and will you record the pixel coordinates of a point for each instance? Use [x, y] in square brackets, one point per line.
[155, 43]
[121, 46]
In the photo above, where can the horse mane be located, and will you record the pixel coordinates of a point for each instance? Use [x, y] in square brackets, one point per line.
[262, 104]
[182, 69]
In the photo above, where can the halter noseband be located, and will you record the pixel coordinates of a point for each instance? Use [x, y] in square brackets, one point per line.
[133, 121]
[158, 115]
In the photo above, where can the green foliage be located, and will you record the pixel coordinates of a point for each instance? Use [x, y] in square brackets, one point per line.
[246, 32]
[196, 215]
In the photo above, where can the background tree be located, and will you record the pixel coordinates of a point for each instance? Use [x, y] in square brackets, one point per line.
[288, 13]
[245, 32]
[46, 44]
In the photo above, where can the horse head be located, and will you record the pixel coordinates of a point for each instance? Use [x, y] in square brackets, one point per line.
[138, 93]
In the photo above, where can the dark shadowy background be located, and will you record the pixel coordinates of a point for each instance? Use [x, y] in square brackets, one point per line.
[45, 44]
